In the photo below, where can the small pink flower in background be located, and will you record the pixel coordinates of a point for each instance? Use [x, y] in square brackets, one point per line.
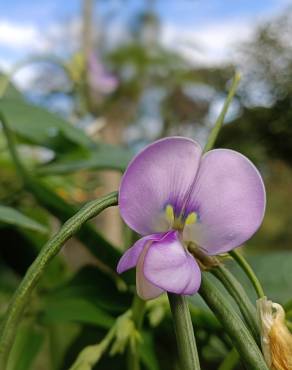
[101, 81]
[170, 193]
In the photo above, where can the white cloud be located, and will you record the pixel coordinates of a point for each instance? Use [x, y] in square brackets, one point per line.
[16, 36]
[209, 44]
[63, 37]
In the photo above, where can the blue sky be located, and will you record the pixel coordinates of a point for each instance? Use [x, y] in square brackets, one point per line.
[217, 23]
[181, 11]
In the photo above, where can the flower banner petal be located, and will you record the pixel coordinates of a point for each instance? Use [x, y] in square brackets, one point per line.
[159, 175]
[229, 199]
[169, 266]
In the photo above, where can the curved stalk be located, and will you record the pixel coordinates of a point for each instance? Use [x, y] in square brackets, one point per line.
[186, 342]
[52, 247]
[242, 262]
[232, 323]
[237, 292]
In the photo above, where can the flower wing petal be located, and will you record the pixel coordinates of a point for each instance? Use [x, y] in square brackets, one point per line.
[170, 267]
[229, 197]
[130, 258]
[145, 289]
[159, 175]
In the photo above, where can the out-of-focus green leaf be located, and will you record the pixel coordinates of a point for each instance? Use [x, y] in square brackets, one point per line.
[11, 216]
[147, 350]
[39, 126]
[103, 156]
[8, 283]
[59, 343]
[26, 346]
[76, 310]
[92, 285]
[8, 89]
[274, 272]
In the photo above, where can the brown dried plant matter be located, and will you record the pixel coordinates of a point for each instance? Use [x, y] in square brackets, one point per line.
[205, 262]
[275, 336]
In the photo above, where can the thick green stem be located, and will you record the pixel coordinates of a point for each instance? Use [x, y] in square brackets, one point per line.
[242, 262]
[233, 325]
[186, 342]
[237, 292]
[219, 122]
[52, 247]
[138, 311]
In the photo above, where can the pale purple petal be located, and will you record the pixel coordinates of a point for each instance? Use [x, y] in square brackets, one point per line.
[145, 289]
[130, 257]
[169, 266]
[229, 198]
[159, 175]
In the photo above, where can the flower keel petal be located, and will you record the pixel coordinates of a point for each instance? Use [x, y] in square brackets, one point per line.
[170, 267]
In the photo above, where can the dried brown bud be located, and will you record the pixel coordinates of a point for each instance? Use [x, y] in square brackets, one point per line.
[205, 262]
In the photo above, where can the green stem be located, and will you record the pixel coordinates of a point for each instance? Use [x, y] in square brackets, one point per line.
[12, 149]
[186, 342]
[232, 323]
[230, 361]
[237, 292]
[138, 311]
[52, 247]
[242, 262]
[219, 122]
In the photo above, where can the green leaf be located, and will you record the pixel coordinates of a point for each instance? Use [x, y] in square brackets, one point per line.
[27, 344]
[104, 156]
[11, 216]
[76, 310]
[39, 126]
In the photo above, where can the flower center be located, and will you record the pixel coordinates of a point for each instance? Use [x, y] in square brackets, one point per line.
[178, 223]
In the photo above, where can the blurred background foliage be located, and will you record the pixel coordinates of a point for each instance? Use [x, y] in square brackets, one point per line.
[86, 112]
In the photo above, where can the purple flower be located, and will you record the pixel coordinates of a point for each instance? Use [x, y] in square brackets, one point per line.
[100, 79]
[172, 193]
